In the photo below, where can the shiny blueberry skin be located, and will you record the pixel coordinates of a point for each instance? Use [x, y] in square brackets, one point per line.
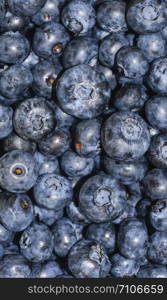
[123, 267]
[16, 211]
[63, 120]
[108, 74]
[129, 211]
[78, 17]
[156, 112]
[52, 191]
[158, 215]
[14, 23]
[102, 198]
[49, 40]
[75, 215]
[157, 153]
[79, 50]
[88, 259]
[111, 16]
[66, 234]
[126, 172]
[6, 125]
[143, 207]
[49, 12]
[130, 97]
[47, 164]
[104, 234]
[31, 60]
[34, 119]
[36, 243]
[152, 271]
[157, 249]
[45, 75]
[131, 62]
[56, 143]
[50, 269]
[14, 48]
[15, 80]
[155, 184]
[74, 165]
[18, 171]
[146, 16]
[132, 238]
[152, 45]
[82, 92]
[157, 76]
[47, 216]
[125, 136]
[109, 47]
[6, 236]
[15, 142]
[87, 138]
[14, 266]
[25, 8]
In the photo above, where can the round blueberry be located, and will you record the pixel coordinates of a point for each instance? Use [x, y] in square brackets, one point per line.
[155, 184]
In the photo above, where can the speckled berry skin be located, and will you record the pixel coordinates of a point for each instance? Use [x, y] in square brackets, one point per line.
[16, 211]
[155, 184]
[102, 198]
[122, 134]
[6, 124]
[18, 171]
[6, 236]
[25, 8]
[158, 213]
[36, 243]
[123, 267]
[157, 76]
[88, 259]
[14, 266]
[157, 153]
[152, 271]
[15, 142]
[52, 191]
[2, 10]
[157, 248]
[50, 269]
[82, 92]
[75, 215]
[33, 119]
[47, 216]
[47, 164]
[156, 112]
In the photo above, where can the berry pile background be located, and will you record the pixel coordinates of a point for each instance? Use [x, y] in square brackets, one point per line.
[83, 138]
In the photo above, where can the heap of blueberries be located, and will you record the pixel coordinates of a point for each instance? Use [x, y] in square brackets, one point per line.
[83, 138]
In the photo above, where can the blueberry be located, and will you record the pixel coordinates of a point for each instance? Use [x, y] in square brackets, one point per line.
[74, 165]
[126, 172]
[152, 45]
[56, 143]
[99, 33]
[87, 137]
[50, 269]
[129, 211]
[6, 236]
[158, 215]
[16, 211]
[131, 62]
[155, 111]
[15, 80]
[63, 120]
[14, 48]
[47, 164]
[47, 216]
[88, 259]
[104, 234]
[82, 92]
[15, 142]
[111, 16]
[75, 215]
[1, 251]
[123, 267]
[80, 50]
[152, 271]
[145, 16]
[157, 76]
[2, 10]
[132, 238]
[14, 266]
[49, 40]
[157, 250]
[109, 47]
[25, 8]
[108, 74]
[157, 153]
[31, 60]
[6, 126]
[143, 207]
[102, 198]
[78, 17]
[66, 234]
[36, 243]
[125, 136]
[130, 97]
[14, 23]
[18, 171]
[34, 119]
[52, 191]
[11, 249]
[155, 184]
[45, 75]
